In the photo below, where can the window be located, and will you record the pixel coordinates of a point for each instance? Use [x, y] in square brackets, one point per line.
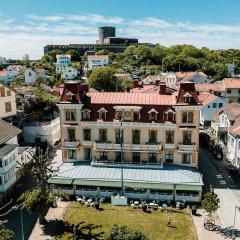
[208, 106]
[118, 136]
[135, 136]
[170, 116]
[229, 91]
[170, 137]
[136, 157]
[86, 134]
[152, 115]
[184, 117]
[187, 117]
[153, 157]
[2, 91]
[220, 105]
[29, 74]
[0, 162]
[70, 115]
[102, 135]
[0, 180]
[136, 115]
[72, 154]
[71, 134]
[214, 105]
[152, 136]
[8, 107]
[186, 158]
[127, 115]
[190, 117]
[169, 157]
[102, 114]
[187, 137]
[103, 155]
[87, 154]
[8, 93]
[86, 114]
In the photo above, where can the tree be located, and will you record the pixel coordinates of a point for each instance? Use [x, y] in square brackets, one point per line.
[41, 196]
[103, 79]
[124, 233]
[5, 233]
[210, 202]
[18, 80]
[39, 80]
[26, 60]
[75, 56]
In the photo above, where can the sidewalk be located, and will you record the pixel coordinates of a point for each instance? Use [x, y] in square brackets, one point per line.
[52, 215]
[202, 233]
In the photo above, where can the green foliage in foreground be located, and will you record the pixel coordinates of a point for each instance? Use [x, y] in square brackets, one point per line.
[5, 233]
[124, 233]
[210, 202]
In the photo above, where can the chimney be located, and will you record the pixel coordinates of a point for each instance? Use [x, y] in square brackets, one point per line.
[135, 84]
[127, 89]
[157, 82]
[162, 88]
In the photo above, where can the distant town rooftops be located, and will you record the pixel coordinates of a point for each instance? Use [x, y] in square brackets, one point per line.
[97, 57]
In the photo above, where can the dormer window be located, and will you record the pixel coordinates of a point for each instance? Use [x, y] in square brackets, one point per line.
[127, 115]
[102, 114]
[86, 114]
[152, 114]
[118, 115]
[69, 96]
[187, 97]
[170, 115]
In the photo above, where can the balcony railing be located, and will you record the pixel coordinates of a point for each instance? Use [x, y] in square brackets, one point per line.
[71, 144]
[140, 164]
[126, 146]
[187, 147]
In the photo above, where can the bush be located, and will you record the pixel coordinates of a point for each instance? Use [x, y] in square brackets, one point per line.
[124, 233]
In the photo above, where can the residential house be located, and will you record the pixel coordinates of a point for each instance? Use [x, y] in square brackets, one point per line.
[228, 87]
[7, 102]
[63, 61]
[8, 157]
[152, 137]
[195, 77]
[69, 73]
[151, 80]
[211, 104]
[96, 61]
[31, 75]
[3, 60]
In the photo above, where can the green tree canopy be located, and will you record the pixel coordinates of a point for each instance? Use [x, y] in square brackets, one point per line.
[103, 79]
[210, 202]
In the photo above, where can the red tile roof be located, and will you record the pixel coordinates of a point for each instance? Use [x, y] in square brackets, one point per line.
[206, 97]
[231, 83]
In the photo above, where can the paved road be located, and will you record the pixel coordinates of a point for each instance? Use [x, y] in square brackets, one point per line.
[227, 190]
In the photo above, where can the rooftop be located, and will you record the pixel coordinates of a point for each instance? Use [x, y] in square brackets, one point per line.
[206, 97]
[97, 57]
[7, 131]
[7, 148]
[169, 174]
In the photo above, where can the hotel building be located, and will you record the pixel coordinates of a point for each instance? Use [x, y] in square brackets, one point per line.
[155, 136]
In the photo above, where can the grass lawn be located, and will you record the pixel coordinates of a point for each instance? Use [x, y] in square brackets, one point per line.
[152, 224]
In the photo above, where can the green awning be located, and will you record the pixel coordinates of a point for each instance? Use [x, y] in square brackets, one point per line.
[189, 187]
[60, 181]
[136, 185]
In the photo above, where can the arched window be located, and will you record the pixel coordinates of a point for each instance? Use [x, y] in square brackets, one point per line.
[102, 113]
[152, 114]
[86, 114]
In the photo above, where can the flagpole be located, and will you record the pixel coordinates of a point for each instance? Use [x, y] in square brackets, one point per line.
[121, 144]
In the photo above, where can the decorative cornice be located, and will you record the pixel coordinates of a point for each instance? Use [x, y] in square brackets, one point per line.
[69, 106]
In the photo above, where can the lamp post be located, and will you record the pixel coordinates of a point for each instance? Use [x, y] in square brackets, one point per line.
[121, 143]
[18, 207]
[234, 220]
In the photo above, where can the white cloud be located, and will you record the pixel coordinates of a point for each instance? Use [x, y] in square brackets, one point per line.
[36, 31]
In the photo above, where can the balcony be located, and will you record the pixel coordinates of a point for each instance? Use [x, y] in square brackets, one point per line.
[131, 147]
[187, 147]
[71, 144]
[87, 143]
[169, 145]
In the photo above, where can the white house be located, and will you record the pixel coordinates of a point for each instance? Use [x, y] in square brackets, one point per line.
[63, 61]
[169, 78]
[8, 157]
[211, 104]
[31, 75]
[96, 61]
[3, 60]
[196, 77]
[69, 73]
[36, 132]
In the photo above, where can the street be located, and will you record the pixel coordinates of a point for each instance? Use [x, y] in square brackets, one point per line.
[228, 191]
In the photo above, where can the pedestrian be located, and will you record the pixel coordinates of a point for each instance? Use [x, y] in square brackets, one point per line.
[169, 221]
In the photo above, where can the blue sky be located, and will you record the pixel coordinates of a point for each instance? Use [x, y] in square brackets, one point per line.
[27, 25]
